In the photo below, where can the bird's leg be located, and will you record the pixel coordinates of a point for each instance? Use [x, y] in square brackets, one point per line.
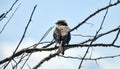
[59, 48]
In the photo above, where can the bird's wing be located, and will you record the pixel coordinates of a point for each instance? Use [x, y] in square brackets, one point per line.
[57, 35]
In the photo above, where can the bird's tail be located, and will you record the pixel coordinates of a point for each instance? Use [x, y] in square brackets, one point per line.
[61, 48]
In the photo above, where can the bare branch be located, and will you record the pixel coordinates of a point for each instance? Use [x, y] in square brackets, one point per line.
[82, 35]
[35, 45]
[93, 14]
[98, 58]
[45, 59]
[22, 35]
[25, 51]
[54, 48]
[100, 35]
[2, 16]
[9, 19]
[94, 38]
[116, 36]
[25, 29]
[21, 57]
[46, 33]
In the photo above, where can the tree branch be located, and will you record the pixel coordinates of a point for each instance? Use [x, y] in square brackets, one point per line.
[45, 59]
[2, 16]
[98, 58]
[9, 19]
[54, 48]
[22, 36]
[94, 38]
[93, 14]
[116, 36]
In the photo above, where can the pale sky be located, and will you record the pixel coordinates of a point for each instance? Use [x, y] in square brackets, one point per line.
[45, 16]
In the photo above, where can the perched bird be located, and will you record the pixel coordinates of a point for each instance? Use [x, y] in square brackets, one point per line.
[62, 35]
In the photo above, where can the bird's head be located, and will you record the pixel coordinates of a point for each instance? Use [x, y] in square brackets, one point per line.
[61, 22]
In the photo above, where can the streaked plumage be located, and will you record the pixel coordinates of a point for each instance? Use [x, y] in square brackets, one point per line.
[62, 35]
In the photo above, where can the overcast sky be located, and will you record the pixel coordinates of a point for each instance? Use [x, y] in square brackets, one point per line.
[45, 16]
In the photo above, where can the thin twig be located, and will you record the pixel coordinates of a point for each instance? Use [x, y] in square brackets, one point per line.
[2, 16]
[93, 14]
[25, 29]
[116, 37]
[46, 33]
[35, 45]
[22, 35]
[9, 19]
[21, 58]
[82, 35]
[32, 50]
[54, 48]
[45, 59]
[94, 37]
[100, 35]
[98, 58]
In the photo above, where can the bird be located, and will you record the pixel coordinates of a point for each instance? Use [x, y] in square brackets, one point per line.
[62, 35]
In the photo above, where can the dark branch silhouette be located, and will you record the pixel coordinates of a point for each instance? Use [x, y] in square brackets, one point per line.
[3, 15]
[20, 58]
[9, 19]
[98, 58]
[93, 14]
[22, 36]
[94, 38]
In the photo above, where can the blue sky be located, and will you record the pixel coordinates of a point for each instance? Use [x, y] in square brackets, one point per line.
[45, 16]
